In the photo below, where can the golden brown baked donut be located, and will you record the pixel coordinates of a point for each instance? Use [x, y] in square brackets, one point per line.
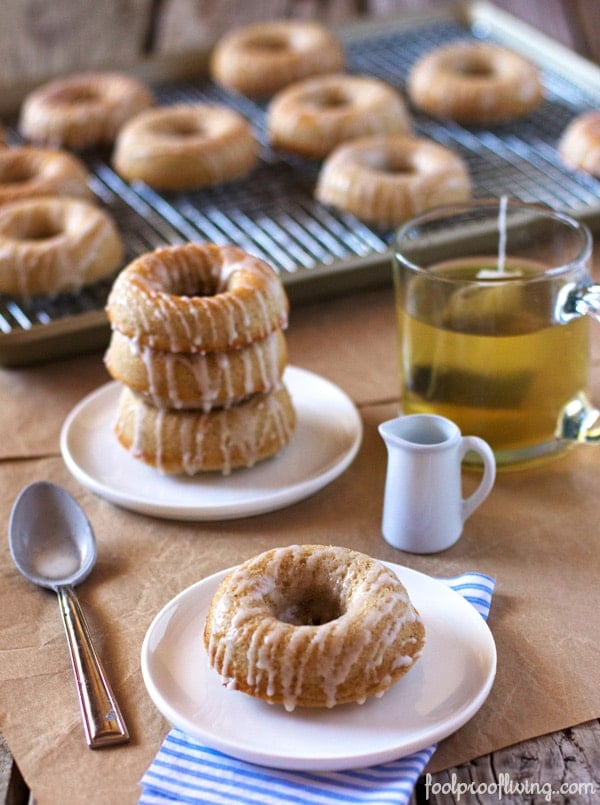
[197, 380]
[189, 442]
[81, 111]
[26, 171]
[259, 59]
[197, 297]
[474, 83]
[186, 146]
[386, 180]
[312, 626]
[579, 145]
[313, 116]
[52, 244]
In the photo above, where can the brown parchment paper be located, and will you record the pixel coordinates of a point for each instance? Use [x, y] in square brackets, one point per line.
[35, 400]
[536, 534]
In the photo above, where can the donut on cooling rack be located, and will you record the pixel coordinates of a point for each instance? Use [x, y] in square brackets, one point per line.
[185, 147]
[27, 171]
[579, 145]
[313, 116]
[312, 626]
[197, 297]
[386, 180]
[83, 110]
[197, 380]
[474, 83]
[53, 244]
[259, 59]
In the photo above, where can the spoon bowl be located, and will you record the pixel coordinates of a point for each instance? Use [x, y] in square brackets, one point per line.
[51, 540]
[53, 545]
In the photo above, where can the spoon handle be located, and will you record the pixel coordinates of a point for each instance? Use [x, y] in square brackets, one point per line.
[102, 720]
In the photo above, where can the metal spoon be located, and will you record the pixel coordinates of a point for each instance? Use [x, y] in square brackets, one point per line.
[53, 545]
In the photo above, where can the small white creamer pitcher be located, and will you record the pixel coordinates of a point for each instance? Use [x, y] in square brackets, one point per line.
[423, 507]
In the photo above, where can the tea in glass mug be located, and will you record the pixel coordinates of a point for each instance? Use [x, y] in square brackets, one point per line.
[492, 298]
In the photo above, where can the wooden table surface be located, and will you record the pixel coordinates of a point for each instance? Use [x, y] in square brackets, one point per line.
[33, 43]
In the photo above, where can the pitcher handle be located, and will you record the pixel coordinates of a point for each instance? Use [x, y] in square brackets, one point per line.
[483, 449]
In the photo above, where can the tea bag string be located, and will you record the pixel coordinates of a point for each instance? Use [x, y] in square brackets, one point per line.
[500, 270]
[502, 234]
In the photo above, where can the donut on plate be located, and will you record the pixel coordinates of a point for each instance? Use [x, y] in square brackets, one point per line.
[83, 110]
[474, 83]
[197, 344]
[189, 442]
[53, 244]
[313, 116]
[579, 145]
[185, 147]
[197, 297]
[27, 171]
[197, 380]
[259, 59]
[387, 180]
[312, 626]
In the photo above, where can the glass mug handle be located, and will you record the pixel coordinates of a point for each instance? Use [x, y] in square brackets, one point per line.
[580, 420]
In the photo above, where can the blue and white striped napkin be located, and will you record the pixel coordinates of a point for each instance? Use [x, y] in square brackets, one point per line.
[185, 771]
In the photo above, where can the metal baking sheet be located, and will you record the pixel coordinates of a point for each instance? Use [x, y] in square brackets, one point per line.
[319, 252]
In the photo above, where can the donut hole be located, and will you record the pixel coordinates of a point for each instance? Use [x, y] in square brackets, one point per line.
[269, 43]
[394, 164]
[188, 288]
[78, 95]
[16, 173]
[309, 606]
[181, 128]
[328, 98]
[35, 227]
[473, 67]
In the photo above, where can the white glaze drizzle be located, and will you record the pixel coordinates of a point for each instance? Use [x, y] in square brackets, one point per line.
[285, 656]
[208, 375]
[215, 295]
[194, 428]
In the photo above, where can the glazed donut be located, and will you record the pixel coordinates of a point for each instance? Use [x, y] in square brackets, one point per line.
[185, 147]
[257, 60]
[53, 244]
[313, 116]
[579, 145]
[26, 171]
[180, 380]
[197, 297]
[474, 83]
[312, 626]
[82, 111]
[190, 442]
[386, 180]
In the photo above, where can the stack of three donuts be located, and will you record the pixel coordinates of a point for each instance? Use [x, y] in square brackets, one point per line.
[198, 344]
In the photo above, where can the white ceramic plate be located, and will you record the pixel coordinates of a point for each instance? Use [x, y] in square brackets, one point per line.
[440, 693]
[326, 440]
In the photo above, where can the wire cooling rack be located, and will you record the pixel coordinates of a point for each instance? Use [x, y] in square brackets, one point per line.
[273, 214]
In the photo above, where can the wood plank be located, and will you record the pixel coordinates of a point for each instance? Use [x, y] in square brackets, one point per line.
[13, 790]
[536, 767]
[38, 40]
[585, 22]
